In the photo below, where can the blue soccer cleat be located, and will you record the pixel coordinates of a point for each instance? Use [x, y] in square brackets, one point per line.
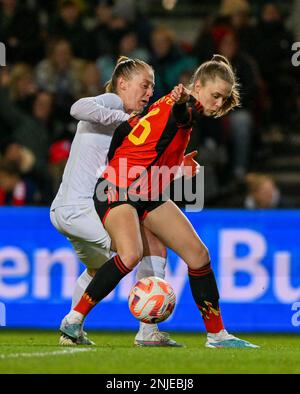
[224, 340]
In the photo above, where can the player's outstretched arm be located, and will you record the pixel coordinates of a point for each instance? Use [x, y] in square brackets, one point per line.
[106, 109]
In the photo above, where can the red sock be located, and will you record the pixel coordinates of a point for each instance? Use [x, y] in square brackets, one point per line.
[211, 317]
[85, 304]
[105, 280]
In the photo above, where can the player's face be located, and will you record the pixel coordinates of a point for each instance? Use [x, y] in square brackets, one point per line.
[212, 95]
[137, 91]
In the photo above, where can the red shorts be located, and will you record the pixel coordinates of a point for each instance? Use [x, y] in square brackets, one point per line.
[107, 196]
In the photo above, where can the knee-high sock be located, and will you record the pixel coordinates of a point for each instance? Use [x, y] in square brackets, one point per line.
[105, 280]
[205, 292]
[81, 284]
[150, 266]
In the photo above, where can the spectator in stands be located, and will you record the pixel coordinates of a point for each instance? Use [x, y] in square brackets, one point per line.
[17, 154]
[20, 31]
[111, 26]
[236, 14]
[22, 86]
[168, 60]
[44, 116]
[32, 133]
[232, 14]
[131, 11]
[6, 128]
[13, 189]
[273, 53]
[262, 193]
[127, 46]
[60, 74]
[241, 121]
[91, 81]
[68, 24]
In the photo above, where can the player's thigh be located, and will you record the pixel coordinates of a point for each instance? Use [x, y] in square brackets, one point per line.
[80, 222]
[91, 254]
[172, 227]
[123, 226]
[83, 228]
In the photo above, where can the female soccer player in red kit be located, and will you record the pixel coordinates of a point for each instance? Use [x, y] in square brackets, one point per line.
[158, 140]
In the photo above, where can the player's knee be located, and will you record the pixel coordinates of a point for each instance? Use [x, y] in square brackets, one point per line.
[204, 255]
[131, 258]
[200, 256]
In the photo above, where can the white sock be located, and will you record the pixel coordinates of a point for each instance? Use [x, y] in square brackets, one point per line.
[81, 284]
[151, 266]
[75, 317]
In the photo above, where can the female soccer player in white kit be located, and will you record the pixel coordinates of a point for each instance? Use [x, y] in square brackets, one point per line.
[72, 212]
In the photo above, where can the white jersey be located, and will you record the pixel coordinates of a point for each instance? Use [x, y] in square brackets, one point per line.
[98, 118]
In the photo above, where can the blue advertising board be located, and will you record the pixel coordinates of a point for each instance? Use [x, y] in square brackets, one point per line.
[255, 256]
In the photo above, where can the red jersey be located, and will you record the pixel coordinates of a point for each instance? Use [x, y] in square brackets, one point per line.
[145, 153]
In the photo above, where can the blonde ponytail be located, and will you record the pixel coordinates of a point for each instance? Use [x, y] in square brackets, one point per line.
[125, 67]
[220, 59]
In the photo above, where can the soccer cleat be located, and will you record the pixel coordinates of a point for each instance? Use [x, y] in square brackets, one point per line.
[71, 330]
[155, 338]
[224, 340]
[66, 340]
[84, 340]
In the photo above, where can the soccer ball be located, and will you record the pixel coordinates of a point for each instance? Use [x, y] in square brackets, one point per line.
[151, 300]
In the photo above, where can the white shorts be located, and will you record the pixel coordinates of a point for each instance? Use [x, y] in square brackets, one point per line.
[83, 228]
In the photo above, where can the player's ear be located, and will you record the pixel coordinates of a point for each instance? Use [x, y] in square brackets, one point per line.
[197, 86]
[122, 82]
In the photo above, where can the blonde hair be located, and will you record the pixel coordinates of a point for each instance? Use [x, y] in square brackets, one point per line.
[166, 32]
[125, 67]
[255, 180]
[219, 66]
[19, 71]
[233, 7]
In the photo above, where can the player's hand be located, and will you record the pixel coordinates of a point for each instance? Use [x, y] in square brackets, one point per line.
[180, 94]
[190, 166]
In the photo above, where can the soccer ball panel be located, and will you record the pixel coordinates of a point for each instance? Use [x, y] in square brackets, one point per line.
[151, 300]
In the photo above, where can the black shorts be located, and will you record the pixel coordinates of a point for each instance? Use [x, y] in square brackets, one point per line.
[108, 196]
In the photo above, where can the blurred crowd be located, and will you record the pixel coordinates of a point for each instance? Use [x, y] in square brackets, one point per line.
[60, 51]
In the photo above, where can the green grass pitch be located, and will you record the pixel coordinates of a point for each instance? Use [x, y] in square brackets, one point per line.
[38, 352]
